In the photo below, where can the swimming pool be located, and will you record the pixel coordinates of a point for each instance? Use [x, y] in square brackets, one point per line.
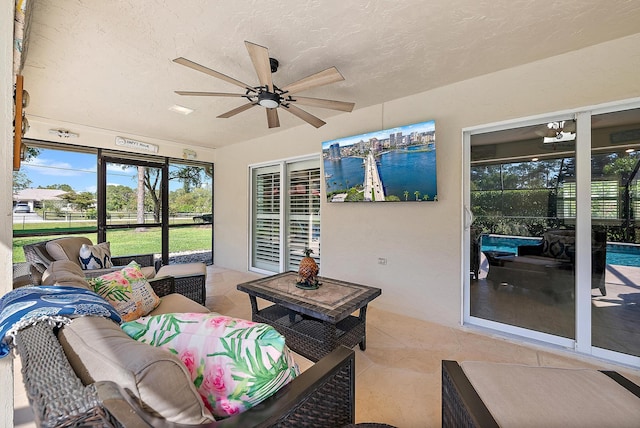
[617, 253]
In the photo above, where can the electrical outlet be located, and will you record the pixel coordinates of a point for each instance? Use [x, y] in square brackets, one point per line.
[382, 261]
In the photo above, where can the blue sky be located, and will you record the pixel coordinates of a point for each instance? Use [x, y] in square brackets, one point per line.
[382, 134]
[78, 170]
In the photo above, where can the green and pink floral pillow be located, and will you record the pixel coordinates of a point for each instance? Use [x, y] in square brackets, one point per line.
[127, 290]
[234, 364]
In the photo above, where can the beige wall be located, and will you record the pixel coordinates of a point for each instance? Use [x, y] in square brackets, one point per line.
[6, 187]
[102, 138]
[422, 242]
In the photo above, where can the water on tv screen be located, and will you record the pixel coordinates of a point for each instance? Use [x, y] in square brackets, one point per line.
[392, 165]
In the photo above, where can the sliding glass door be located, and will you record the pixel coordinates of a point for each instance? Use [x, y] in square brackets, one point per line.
[517, 177]
[615, 209]
[553, 248]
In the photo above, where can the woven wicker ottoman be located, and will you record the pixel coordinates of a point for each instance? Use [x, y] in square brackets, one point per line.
[190, 279]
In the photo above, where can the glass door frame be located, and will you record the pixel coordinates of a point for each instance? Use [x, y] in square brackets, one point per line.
[103, 160]
[583, 152]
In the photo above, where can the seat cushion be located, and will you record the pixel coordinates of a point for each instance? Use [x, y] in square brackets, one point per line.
[172, 303]
[179, 269]
[517, 395]
[235, 364]
[98, 350]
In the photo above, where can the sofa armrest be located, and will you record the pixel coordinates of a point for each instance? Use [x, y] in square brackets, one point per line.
[324, 392]
[530, 250]
[163, 285]
[56, 395]
[142, 259]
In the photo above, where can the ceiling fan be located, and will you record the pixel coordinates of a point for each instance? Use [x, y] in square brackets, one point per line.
[558, 132]
[269, 95]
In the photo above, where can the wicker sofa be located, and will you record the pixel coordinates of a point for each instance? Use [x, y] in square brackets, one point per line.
[55, 375]
[41, 254]
[190, 278]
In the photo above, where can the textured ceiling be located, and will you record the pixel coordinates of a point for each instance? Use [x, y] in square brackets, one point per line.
[107, 64]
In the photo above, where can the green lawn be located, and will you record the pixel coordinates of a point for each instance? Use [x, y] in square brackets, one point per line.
[125, 242]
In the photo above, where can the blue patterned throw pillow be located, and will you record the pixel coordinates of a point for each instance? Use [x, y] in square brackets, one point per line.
[95, 256]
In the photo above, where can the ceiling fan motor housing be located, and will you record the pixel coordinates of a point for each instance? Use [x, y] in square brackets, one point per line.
[269, 99]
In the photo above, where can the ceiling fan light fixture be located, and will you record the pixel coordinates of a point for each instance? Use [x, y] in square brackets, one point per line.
[269, 100]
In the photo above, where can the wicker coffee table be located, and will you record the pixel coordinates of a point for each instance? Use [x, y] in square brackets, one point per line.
[313, 322]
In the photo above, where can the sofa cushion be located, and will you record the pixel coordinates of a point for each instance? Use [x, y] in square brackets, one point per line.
[527, 396]
[65, 272]
[127, 290]
[176, 302]
[235, 364]
[95, 256]
[559, 244]
[98, 350]
[66, 248]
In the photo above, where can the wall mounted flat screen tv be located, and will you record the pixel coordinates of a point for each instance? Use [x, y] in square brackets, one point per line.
[392, 165]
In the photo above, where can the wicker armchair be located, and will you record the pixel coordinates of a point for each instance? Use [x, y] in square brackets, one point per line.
[322, 396]
[39, 258]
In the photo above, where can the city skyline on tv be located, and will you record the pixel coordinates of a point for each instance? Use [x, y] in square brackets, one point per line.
[391, 165]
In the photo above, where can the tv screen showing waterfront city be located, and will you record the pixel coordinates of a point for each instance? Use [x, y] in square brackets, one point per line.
[392, 165]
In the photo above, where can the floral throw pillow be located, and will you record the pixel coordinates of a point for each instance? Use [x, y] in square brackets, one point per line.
[95, 256]
[127, 290]
[234, 364]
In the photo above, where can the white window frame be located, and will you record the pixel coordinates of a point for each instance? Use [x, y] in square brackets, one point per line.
[282, 165]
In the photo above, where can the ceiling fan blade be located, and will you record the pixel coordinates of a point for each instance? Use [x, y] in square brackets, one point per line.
[236, 110]
[330, 75]
[210, 72]
[330, 104]
[209, 94]
[260, 58]
[272, 117]
[307, 117]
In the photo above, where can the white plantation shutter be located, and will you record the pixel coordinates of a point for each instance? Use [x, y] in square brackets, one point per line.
[303, 212]
[266, 218]
[296, 208]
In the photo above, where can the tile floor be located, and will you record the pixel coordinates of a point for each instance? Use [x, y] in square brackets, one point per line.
[398, 376]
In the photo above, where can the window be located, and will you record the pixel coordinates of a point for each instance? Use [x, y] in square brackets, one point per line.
[266, 218]
[285, 217]
[139, 203]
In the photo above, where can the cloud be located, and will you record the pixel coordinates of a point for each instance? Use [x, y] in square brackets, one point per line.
[51, 167]
[115, 167]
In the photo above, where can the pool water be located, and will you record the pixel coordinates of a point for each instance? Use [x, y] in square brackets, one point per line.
[617, 254]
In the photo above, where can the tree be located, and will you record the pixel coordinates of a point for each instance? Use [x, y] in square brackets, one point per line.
[64, 187]
[120, 198]
[81, 201]
[190, 176]
[140, 199]
[20, 181]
